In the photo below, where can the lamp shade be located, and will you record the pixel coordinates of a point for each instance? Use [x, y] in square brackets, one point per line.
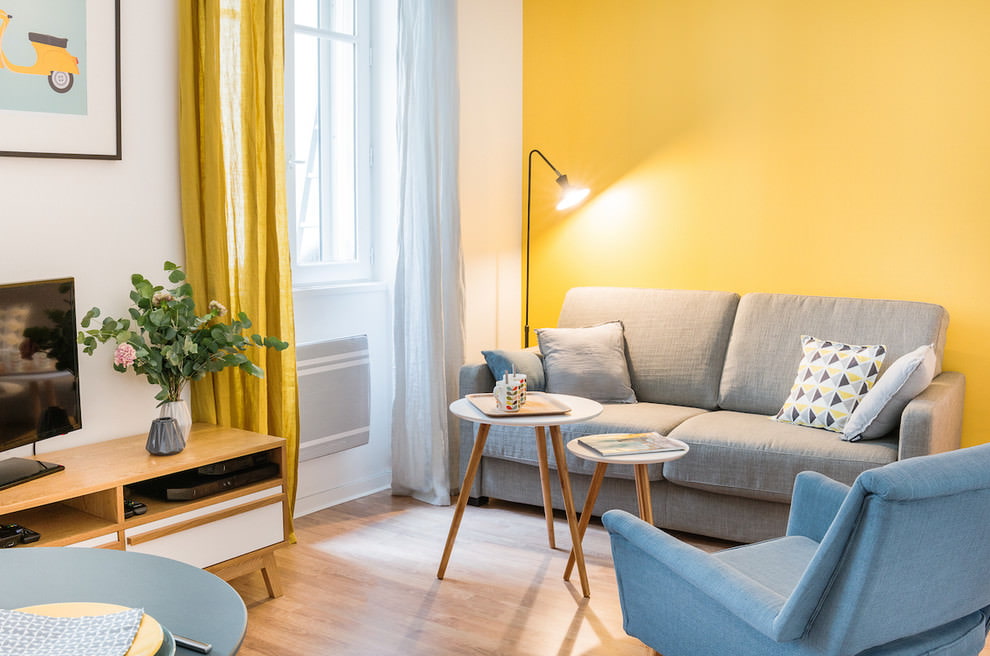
[570, 195]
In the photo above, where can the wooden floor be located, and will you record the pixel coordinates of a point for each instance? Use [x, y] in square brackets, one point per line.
[362, 580]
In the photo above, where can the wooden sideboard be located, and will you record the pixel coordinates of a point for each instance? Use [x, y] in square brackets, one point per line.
[228, 533]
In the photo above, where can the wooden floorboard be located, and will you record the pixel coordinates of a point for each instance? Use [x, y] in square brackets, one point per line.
[362, 580]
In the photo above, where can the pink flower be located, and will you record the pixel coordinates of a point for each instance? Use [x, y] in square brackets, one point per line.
[217, 308]
[124, 355]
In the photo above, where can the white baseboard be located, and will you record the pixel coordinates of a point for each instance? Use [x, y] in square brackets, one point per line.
[352, 490]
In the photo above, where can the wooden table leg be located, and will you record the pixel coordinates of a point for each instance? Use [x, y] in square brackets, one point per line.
[462, 498]
[541, 452]
[565, 487]
[643, 494]
[589, 505]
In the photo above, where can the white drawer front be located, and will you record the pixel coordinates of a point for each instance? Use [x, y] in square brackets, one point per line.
[100, 541]
[216, 541]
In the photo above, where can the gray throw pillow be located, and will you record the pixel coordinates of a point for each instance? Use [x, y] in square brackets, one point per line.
[502, 362]
[879, 412]
[587, 362]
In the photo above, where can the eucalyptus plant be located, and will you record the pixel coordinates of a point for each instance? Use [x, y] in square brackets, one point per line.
[165, 340]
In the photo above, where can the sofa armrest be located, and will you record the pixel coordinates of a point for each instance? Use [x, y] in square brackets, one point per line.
[932, 421]
[475, 378]
[815, 502]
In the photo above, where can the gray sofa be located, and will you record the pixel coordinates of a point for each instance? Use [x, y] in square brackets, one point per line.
[710, 368]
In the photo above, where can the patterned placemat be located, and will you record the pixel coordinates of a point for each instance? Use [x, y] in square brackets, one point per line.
[31, 634]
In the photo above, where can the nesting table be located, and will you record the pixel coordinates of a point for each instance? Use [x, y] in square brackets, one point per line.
[580, 409]
[639, 461]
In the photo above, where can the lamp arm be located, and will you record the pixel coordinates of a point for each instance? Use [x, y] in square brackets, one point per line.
[544, 158]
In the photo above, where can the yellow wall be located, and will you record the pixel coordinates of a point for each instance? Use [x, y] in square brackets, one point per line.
[837, 148]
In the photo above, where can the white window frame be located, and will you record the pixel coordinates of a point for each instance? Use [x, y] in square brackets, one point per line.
[362, 268]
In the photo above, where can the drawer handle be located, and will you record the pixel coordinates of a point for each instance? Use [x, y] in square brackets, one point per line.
[178, 527]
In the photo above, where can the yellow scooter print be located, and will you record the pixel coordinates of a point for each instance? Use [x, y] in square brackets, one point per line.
[53, 59]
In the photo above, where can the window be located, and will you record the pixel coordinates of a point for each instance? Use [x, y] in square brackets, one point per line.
[328, 128]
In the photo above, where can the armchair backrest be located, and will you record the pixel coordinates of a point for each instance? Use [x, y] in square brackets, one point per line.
[908, 551]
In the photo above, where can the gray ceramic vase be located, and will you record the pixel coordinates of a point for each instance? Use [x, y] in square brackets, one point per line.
[164, 438]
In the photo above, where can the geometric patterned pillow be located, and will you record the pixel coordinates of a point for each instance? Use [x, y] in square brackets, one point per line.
[830, 381]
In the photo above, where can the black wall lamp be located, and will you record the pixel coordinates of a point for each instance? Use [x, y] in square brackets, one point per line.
[570, 196]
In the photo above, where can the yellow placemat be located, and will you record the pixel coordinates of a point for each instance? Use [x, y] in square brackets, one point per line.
[149, 636]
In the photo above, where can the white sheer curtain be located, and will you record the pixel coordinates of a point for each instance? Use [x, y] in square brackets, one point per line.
[429, 322]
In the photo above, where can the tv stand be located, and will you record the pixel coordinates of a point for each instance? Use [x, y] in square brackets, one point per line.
[229, 533]
[14, 471]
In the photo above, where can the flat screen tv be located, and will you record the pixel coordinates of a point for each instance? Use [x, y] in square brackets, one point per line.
[39, 362]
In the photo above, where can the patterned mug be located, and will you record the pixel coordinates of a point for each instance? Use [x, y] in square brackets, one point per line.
[510, 396]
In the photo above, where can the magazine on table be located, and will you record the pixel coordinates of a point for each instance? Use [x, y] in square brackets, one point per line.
[629, 443]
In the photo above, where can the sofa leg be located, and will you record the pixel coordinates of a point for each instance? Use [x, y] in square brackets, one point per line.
[477, 501]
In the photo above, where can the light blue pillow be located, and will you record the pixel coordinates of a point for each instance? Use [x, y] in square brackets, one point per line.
[879, 412]
[527, 362]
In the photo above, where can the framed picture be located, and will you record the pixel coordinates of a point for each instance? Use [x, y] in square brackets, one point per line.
[60, 78]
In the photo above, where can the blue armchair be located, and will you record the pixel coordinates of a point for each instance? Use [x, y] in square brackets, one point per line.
[898, 564]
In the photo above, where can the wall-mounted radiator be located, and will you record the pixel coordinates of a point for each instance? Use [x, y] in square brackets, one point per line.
[334, 395]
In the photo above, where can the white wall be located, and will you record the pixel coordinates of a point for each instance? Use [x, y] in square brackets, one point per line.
[100, 221]
[490, 71]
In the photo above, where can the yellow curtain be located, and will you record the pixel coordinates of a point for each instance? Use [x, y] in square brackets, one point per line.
[232, 161]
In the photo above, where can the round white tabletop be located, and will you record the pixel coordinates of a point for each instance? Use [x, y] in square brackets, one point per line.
[580, 410]
[581, 451]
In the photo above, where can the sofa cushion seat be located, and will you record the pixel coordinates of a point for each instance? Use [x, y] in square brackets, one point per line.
[752, 456]
[519, 443]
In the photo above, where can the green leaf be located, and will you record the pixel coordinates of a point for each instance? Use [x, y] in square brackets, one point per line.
[170, 266]
[276, 343]
[157, 317]
[145, 289]
[252, 369]
[89, 316]
[176, 276]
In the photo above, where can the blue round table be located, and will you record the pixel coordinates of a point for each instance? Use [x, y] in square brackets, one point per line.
[186, 600]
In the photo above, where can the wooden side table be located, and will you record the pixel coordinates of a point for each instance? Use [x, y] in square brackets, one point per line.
[580, 410]
[639, 461]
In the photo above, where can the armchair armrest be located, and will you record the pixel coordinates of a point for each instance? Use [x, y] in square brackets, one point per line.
[932, 421]
[670, 559]
[814, 503]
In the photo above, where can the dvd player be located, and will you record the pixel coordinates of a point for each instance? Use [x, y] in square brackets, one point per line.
[189, 485]
[234, 464]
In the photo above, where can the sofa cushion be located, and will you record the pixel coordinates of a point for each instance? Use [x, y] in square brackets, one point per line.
[519, 443]
[880, 410]
[675, 339]
[752, 456]
[518, 361]
[588, 362]
[831, 379]
[764, 349]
